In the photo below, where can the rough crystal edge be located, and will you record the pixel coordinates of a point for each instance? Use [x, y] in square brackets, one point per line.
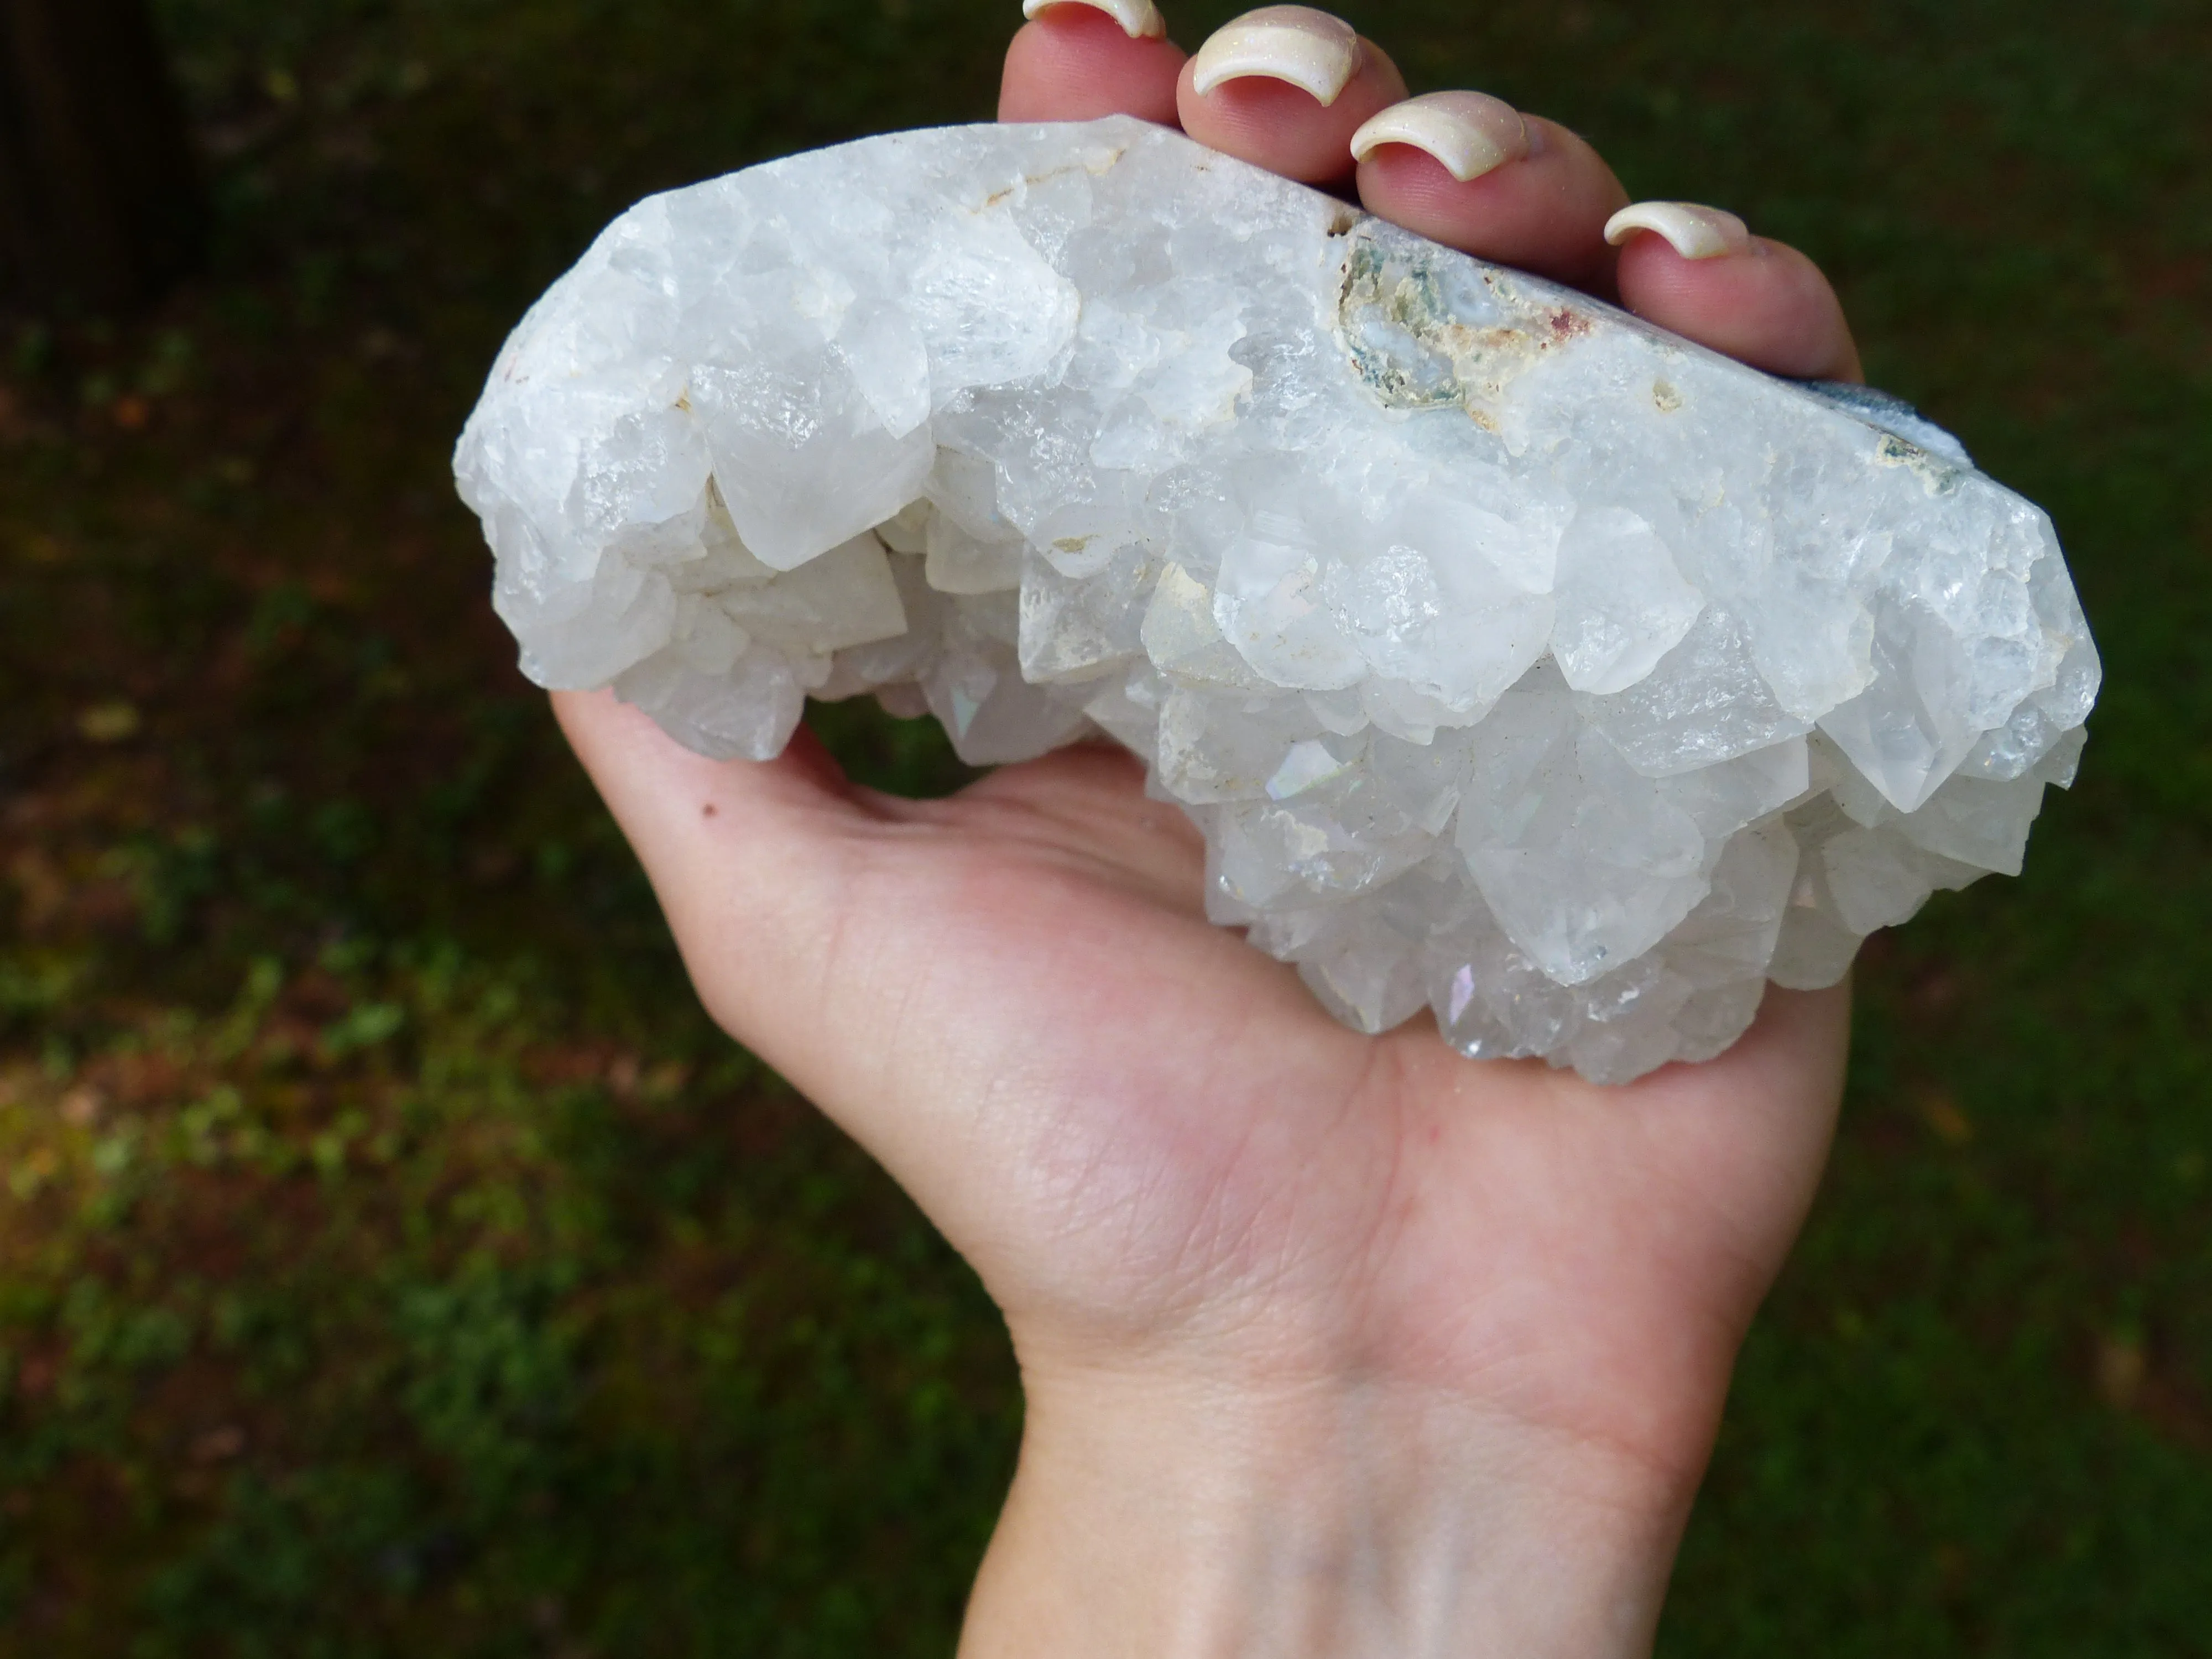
[1856, 860]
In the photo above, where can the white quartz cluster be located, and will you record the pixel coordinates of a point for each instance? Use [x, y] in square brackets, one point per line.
[1518, 660]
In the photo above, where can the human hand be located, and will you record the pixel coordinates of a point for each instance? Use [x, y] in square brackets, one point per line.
[1331, 1343]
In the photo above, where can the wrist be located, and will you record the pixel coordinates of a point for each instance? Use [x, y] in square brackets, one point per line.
[1189, 1518]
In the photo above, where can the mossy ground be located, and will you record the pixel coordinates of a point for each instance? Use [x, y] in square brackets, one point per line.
[392, 1259]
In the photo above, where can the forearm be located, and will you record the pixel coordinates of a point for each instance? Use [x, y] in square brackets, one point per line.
[1332, 1522]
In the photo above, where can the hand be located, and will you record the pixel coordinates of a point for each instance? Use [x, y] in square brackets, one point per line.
[1332, 1345]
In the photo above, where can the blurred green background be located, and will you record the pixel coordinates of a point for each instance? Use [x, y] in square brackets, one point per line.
[393, 1262]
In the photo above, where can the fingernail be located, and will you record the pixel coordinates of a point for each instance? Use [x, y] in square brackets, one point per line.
[1697, 233]
[1470, 132]
[1140, 19]
[1310, 49]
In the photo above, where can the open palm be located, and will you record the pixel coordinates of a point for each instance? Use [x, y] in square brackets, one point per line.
[1165, 1159]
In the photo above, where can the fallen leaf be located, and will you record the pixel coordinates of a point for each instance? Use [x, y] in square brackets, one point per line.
[2119, 1371]
[219, 1445]
[1949, 1125]
[109, 722]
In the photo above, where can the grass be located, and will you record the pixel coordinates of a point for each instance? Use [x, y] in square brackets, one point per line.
[393, 1261]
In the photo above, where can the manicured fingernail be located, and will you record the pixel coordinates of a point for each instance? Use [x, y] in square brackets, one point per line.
[1697, 233]
[1310, 49]
[1140, 19]
[1470, 132]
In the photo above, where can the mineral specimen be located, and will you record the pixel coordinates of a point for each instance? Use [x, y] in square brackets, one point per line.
[1515, 658]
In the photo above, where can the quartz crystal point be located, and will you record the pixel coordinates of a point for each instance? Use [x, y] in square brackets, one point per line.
[1518, 660]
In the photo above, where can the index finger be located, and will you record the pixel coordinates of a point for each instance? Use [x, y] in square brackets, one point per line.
[1079, 59]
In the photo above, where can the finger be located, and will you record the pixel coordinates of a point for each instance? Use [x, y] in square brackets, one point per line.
[1466, 170]
[760, 852]
[757, 867]
[1079, 59]
[1286, 87]
[761, 869]
[749, 832]
[1701, 273]
[1754, 1126]
[644, 772]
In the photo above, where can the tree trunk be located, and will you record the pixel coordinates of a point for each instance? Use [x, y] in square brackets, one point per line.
[99, 198]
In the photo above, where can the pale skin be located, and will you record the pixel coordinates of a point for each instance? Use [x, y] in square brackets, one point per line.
[1332, 1345]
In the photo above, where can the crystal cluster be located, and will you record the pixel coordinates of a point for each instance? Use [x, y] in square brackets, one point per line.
[1516, 659]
